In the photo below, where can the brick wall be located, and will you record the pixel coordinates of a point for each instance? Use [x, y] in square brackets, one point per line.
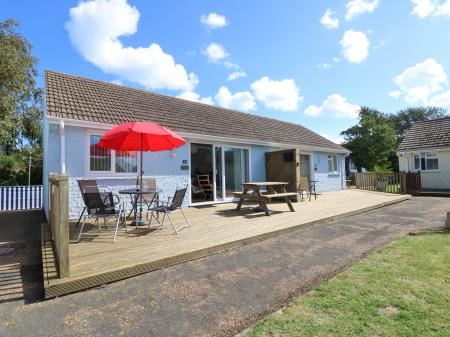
[168, 185]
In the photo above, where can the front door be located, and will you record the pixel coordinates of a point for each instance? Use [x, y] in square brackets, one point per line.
[305, 165]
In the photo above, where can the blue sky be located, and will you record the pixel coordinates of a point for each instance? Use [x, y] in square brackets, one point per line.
[309, 62]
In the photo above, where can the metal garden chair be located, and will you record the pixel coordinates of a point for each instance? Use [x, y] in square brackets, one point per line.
[100, 203]
[173, 204]
[307, 187]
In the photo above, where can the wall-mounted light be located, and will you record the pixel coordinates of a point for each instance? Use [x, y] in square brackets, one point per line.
[172, 153]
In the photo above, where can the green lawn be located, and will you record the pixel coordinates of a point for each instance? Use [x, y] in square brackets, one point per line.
[403, 289]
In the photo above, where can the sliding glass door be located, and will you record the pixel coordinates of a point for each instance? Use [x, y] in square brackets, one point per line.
[217, 171]
[236, 169]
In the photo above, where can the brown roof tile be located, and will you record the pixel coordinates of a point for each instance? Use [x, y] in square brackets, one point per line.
[84, 99]
[427, 135]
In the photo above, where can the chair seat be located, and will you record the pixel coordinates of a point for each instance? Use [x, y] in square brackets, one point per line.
[108, 211]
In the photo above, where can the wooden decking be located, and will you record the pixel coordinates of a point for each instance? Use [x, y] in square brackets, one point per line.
[96, 260]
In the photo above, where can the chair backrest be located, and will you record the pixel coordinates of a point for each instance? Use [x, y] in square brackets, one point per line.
[93, 199]
[89, 187]
[304, 183]
[178, 198]
[203, 181]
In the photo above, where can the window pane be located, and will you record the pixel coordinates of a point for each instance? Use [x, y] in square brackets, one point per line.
[334, 163]
[330, 164]
[99, 157]
[422, 163]
[126, 161]
[432, 164]
[417, 162]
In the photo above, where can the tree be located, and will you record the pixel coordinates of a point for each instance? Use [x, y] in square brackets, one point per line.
[372, 141]
[403, 119]
[21, 103]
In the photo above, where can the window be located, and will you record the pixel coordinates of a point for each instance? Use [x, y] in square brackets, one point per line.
[332, 163]
[110, 161]
[99, 158]
[426, 162]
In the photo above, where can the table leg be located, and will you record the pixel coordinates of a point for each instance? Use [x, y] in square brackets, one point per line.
[241, 200]
[289, 203]
[264, 207]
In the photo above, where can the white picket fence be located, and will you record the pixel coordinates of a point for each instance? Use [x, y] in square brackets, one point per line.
[14, 198]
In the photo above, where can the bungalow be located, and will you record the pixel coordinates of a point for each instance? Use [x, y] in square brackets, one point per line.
[426, 149]
[224, 147]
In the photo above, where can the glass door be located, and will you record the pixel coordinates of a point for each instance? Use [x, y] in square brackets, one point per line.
[202, 168]
[236, 166]
[218, 182]
[217, 172]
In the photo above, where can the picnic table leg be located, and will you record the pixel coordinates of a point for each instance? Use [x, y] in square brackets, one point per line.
[264, 207]
[241, 200]
[289, 203]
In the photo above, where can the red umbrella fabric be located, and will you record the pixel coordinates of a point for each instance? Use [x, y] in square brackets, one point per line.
[141, 136]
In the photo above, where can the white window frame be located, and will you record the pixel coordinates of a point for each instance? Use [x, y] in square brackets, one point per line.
[335, 170]
[112, 172]
[425, 155]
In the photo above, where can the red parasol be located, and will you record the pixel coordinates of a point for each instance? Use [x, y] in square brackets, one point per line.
[141, 136]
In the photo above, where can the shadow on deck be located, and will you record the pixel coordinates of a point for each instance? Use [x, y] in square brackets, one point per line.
[20, 257]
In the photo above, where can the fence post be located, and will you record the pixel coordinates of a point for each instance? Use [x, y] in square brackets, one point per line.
[59, 220]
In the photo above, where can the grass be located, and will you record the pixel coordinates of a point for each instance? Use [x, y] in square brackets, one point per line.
[403, 289]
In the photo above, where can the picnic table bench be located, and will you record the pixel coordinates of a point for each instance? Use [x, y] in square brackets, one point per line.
[253, 192]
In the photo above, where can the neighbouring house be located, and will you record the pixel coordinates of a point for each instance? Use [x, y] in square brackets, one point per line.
[426, 149]
[224, 148]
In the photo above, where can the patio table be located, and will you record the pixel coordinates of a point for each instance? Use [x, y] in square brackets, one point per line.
[136, 194]
[253, 192]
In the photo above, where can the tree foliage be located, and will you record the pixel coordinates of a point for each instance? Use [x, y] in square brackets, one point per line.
[372, 141]
[21, 104]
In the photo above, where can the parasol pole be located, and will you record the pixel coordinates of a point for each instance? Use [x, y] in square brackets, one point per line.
[142, 173]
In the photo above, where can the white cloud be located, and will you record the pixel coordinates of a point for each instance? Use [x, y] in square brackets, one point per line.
[94, 30]
[243, 101]
[336, 140]
[329, 20]
[395, 93]
[231, 65]
[118, 82]
[419, 82]
[358, 7]
[324, 66]
[215, 52]
[425, 8]
[334, 105]
[355, 46]
[195, 97]
[214, 20]
[236, 74]
[441, 100]
[281, 95]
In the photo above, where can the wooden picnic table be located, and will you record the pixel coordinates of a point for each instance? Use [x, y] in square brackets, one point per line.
[253, 192]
